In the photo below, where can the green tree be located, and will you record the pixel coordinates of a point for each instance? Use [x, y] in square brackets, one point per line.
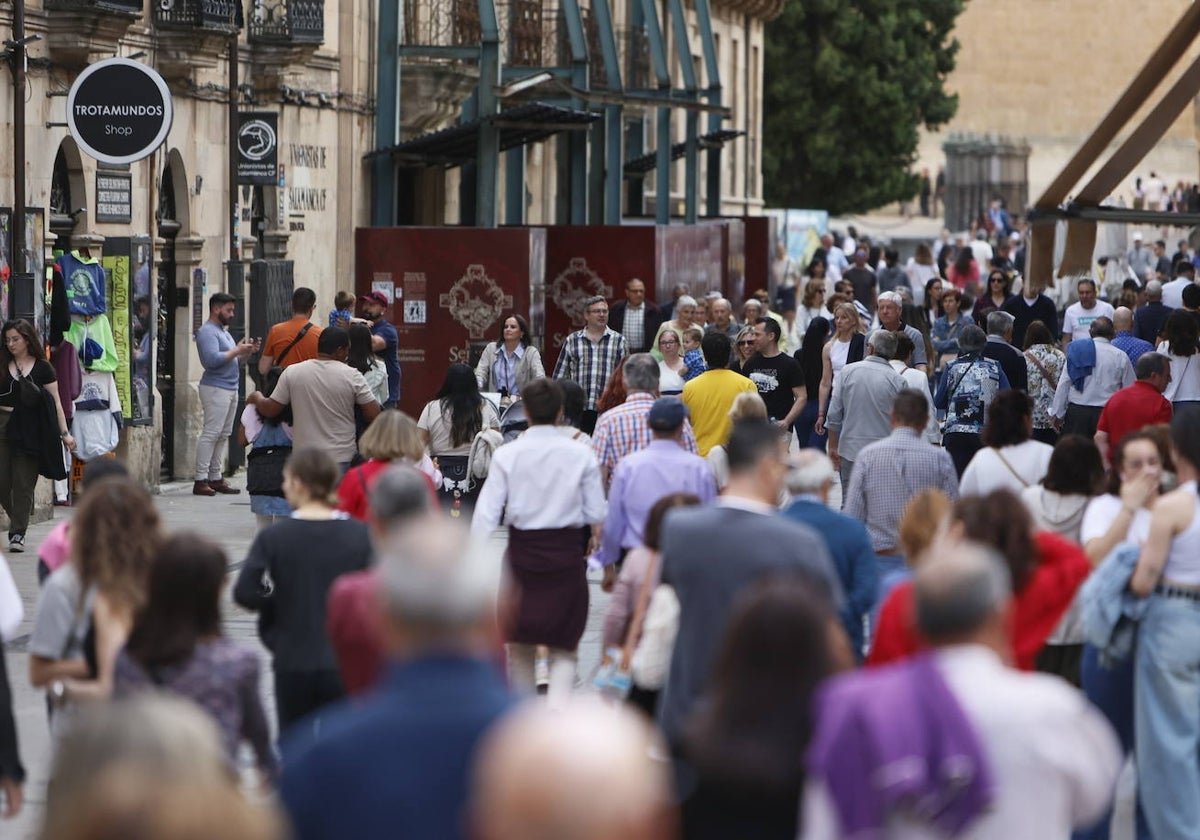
[847, 84]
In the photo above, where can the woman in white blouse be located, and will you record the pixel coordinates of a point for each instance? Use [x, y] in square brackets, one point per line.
[1010, 459]
[1182, 333]
[672, 368]
[511, 363]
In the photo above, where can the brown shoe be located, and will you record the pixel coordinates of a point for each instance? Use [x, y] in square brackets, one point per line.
[202, 488]
[223, 487]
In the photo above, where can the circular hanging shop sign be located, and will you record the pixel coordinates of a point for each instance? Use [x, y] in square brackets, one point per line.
[119, 110]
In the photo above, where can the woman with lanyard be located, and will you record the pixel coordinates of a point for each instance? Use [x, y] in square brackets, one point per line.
[510, 363]
[26, 376]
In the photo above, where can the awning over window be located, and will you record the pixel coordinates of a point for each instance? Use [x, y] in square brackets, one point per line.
[459, 144]
[641, 166]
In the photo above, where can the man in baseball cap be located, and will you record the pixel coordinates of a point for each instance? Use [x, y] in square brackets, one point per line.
[385, 341]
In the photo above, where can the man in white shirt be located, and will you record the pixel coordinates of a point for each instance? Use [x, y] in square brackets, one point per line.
[1172, 293]
[835, 260]
[1078, 402]
[1079, 316]
[1142, 260]
[1034, 759]
[547, 487]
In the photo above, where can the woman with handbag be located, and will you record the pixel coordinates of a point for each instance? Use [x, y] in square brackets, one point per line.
[627, 609]
[29, 443]
[393, 438]
[270, 442]
[449, 424]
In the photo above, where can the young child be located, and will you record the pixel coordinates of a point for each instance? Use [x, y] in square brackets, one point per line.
[692, 357]
[343, 310]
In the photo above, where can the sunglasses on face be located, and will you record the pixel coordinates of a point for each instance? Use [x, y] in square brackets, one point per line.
[745, 343]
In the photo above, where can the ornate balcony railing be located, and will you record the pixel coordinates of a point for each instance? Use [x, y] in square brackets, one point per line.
[211, 15]
[287, 21]
[126, 7]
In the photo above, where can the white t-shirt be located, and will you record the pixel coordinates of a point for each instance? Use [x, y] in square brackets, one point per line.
[1099, 516]
[438, 426]
[1185, 376]
[1078, 321]
[1009, 468]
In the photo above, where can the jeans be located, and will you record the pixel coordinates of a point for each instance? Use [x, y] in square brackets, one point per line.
[1167, 716]
[220, 409]
[844, 469]
[808, 438]
[962, 447]
[1111, 691]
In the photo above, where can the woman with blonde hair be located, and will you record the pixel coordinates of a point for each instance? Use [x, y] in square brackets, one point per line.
[688, 313]
[743, 348]
[847, 345]
[746, 405]
[115, 538]
[392, 437]
[812, 305]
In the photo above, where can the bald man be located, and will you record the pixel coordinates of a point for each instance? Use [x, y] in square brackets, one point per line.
[1125, 340]
[584, 772]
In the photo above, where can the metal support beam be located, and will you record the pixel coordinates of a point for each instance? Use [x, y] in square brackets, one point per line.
[712, 71]
[611, 137]
[683, 49]
[387, 114]
[577, 164]
[662, 74]
[595, 215]
[487, 173]
[514, 186]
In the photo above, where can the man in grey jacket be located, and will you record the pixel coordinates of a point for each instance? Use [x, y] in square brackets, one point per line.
[712, 553]
[860, 411]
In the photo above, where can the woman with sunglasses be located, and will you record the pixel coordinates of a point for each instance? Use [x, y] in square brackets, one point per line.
[743, 348]
[999, 289]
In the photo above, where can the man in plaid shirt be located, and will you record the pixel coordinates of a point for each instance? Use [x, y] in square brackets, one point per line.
[625, 429]
[590, 355]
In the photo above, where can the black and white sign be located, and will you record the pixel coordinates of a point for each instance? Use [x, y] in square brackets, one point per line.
[114, 196]
[258, 148]
[119, 110]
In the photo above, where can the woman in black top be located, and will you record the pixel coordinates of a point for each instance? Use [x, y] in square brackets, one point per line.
[25, 373]
[287, 576]
[809, 357]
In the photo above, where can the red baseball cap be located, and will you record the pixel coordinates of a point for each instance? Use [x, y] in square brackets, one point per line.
[375, 297]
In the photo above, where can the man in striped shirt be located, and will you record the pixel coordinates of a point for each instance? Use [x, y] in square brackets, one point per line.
[590, 355]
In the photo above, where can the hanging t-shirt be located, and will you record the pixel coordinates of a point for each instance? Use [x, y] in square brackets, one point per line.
[93, 339]
[85, 282]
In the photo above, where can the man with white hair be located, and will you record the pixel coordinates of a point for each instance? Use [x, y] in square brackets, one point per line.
[396, 763]
[722, 319]
[809, 480]
[858, 412]
[999, 347]
[891, 310]
[587, 772]
[1142, 260]
[1032, 757]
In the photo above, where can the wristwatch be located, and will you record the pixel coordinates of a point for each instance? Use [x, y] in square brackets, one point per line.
[58, 692]
[64, 435]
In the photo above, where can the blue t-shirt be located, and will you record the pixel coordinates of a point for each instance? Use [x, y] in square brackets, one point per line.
[390, 354]
[85, 283]
[212, 342]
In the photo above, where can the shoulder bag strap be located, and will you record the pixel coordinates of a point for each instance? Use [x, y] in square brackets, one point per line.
[1004, 461]
[1041, 367]
[639, 614]
[958, 382]
[303, 331]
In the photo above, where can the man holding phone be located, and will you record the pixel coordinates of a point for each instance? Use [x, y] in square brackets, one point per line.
[222, 359]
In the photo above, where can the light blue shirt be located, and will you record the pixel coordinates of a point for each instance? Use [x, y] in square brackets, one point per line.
[504, 369]
[212, 342]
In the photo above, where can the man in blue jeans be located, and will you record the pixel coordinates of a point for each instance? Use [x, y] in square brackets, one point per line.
[222, 359]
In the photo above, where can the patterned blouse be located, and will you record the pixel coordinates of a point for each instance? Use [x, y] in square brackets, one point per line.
[221, 677]
[1041, 391]
[967, 388]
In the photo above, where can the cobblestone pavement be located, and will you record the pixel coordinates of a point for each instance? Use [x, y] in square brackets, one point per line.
[228, 520]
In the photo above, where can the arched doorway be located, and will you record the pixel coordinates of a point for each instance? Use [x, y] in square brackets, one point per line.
[68, 197]
[166, 215]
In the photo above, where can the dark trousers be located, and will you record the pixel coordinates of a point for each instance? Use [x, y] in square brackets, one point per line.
[962, 447]
[1082, 420]
[587, 422]
[1046, 436]
[804, 424]
[300, 693]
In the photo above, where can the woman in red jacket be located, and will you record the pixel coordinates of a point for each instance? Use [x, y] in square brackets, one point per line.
[1046, 571]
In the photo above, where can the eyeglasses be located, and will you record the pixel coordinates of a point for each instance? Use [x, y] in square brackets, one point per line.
[670, 343]
[597, 312]
[745, 343]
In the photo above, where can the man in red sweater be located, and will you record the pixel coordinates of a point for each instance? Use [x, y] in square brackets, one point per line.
[1141, 404]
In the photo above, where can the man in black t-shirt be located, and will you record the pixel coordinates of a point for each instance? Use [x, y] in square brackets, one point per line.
[778, 377]
[863, 278]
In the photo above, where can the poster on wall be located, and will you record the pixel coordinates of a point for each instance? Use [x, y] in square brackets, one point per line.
[116, 262]
[35, 260]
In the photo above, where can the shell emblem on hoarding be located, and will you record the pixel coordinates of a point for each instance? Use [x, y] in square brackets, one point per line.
[575, 284]
[476, 301]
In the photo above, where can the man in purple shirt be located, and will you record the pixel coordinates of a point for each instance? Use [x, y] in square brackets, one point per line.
[641, 479]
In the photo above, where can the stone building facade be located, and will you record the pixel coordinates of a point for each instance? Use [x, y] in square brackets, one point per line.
[308, 61]
[1045, 73]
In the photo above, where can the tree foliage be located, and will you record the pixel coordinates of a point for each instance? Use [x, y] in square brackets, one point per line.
[847, 84]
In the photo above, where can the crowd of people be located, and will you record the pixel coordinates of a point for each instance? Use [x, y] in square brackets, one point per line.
[877, 574]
